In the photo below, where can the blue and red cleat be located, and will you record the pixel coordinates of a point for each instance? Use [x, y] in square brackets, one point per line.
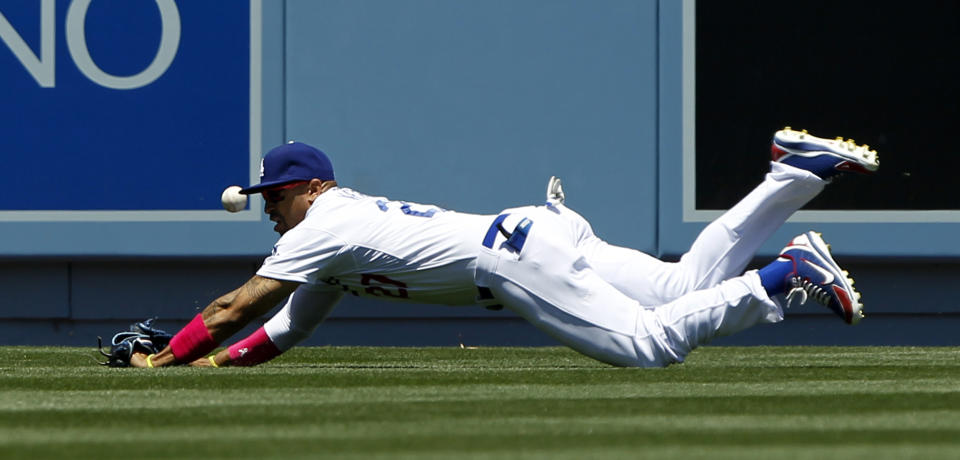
[823, 157]
[816, 275]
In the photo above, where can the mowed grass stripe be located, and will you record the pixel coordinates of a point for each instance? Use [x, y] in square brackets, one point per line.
[19, 357]
[20, 400]
[942, 421]
[298, 376]
[905, 408]
[765, 402]
[286, 441]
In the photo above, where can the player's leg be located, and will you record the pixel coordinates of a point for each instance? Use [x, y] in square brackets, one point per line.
[549, 283]
[805, 270]
[725, 246]
[721, 251]
[640, 276]
[802, 165]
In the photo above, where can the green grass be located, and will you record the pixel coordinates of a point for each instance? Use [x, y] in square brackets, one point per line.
[725, 402]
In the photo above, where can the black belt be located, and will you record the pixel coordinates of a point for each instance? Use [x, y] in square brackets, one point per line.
[484, 293]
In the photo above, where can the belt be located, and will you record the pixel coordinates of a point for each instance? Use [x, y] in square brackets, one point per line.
[515, 239]
[484, 293]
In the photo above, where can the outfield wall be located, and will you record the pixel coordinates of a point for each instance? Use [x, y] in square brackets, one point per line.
[113, 214]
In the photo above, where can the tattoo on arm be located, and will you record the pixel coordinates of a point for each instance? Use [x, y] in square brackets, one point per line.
[221, 303]
[259, 288]
[232, 311]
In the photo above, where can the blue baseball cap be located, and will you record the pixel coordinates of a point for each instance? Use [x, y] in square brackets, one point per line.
[291, 162]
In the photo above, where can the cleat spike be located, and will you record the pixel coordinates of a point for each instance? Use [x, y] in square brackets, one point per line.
[823, 157]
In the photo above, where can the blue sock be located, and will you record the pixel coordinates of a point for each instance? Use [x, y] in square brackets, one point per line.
[773, 277]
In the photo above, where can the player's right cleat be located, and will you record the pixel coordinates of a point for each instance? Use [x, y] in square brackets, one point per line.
[816, 275]
[823, 157]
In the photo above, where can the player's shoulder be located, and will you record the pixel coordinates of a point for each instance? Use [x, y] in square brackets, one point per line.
[340, 197]
[332, 216]
[337, 199]
[347, 193]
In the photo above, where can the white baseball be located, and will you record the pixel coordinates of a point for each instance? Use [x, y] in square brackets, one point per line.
[232, 199]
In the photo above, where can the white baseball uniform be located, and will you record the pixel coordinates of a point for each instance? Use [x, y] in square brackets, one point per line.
[614, 304]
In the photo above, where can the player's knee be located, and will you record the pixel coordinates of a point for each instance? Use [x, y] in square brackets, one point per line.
[645, 352]
[656, 345]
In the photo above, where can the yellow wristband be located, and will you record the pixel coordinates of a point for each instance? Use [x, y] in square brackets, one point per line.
[149, 362]
[212, 361]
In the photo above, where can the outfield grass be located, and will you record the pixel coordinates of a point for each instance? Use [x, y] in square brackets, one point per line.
[725, 402]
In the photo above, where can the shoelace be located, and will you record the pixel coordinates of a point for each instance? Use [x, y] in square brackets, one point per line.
[806, 289]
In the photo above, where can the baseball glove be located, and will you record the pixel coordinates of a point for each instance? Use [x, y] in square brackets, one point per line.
[141, 337]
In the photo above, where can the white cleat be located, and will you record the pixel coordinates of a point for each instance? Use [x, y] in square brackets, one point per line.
[823, 157]
[816, 275]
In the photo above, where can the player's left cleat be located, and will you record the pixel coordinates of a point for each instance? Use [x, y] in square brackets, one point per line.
[816, 275]
[823, 157]
[555, 191]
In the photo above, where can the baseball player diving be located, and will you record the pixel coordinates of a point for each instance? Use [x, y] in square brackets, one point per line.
[544, 263]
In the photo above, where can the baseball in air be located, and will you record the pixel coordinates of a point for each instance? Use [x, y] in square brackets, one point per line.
[232, 200]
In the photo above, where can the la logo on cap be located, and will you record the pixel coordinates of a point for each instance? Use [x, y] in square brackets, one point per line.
[291, 162]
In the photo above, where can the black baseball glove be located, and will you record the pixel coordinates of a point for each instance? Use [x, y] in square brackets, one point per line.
[141, 337]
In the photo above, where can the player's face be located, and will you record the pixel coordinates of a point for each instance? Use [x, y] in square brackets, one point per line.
[287, 205]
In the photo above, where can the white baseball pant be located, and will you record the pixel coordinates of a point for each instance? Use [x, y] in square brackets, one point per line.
[627, 308]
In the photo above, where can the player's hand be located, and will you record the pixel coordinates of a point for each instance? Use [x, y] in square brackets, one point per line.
[201, 362]
[138, 359]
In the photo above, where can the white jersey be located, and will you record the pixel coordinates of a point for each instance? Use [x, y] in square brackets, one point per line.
[373, 246]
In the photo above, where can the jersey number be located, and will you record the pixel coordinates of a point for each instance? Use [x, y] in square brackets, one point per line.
[384, 286]
[406, 209]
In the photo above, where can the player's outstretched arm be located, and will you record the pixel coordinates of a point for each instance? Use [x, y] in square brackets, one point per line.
[305, 309]
[220, 320]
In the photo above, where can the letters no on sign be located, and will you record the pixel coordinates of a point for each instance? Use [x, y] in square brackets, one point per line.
[42, 67]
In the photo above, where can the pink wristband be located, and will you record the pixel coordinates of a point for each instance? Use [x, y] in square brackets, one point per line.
[253, 350]
[192, 342]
